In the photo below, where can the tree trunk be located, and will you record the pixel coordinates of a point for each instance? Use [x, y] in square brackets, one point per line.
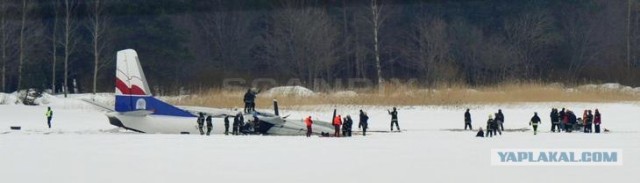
[67, 51]
[96, 38]
[54, 48]
[375, 15]
[3, 22]
[21, 54]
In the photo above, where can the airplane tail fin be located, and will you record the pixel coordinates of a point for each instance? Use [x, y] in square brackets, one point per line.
[132, 90]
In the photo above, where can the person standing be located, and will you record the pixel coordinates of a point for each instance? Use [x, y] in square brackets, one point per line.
[489, 128]
[588, 122]
[249, 101]
[201, 123]
[308, 122]
[364, 124]
[555, 120]
[563, 119]
[467, 120]
[49, 115]
[571, 121]
[226, 125]
[337, 122]
[500, 120]
[346, 127]
[209, 125]
[597, 120]
[535, 120]
[495, 127]
[237, 123]
[394, 118]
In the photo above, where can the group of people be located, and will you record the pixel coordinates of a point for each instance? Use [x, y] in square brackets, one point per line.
[342, 123]
[201, 119]
[346, 124]
[563, 120]
[494, 125]
[343, 126]
[567, 121]
[236, 127]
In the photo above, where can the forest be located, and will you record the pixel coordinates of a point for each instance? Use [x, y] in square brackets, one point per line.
[197, 44]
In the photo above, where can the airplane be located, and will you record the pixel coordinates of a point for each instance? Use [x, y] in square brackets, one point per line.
[137, 110]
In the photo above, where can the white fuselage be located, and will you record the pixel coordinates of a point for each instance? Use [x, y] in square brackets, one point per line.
[177, 125]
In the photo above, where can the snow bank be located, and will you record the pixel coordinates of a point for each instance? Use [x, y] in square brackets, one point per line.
[289, 91]
[607, 87]
[345, 94]
[9, 98]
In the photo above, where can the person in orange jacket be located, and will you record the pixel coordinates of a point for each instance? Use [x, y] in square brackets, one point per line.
[308, 122]
[337, 122]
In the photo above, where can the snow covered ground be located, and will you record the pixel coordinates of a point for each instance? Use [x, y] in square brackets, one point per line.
[83, 147]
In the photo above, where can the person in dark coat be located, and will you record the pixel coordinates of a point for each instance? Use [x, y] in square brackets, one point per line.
[588, 122]
[489, 128]
[201, 123]
[495, 126]
[364, 124]
[394, 118]
[535, 120]
[209, 125]
[49, 115]
[555, 120]
[467, 120]
[237, 123]
[249, 101]
[226, 125]
[563, 119]
[346, 126]
[500, 120]
[597, 120]
[571, 121]
[480, 133]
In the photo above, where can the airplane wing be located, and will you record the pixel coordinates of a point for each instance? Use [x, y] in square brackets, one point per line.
[213, 112]
[101, 106]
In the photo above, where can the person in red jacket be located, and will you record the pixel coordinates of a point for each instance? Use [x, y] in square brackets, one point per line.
[308, 122]
[337, 122]
[597, 120]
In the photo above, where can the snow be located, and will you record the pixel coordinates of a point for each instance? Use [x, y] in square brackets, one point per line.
[84, 147]
[289, 91]
[345, 94]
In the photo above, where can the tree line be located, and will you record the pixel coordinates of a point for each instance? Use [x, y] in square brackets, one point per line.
[195, 44]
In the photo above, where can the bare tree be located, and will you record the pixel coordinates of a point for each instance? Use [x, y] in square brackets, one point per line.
[303, 38]
[6, 32]
[229, 33]
[377, 20]
[69, 41]
[54, 45]
[97, 26]
[579, 40]
[25, 10]
[530, 34]
[429, 48]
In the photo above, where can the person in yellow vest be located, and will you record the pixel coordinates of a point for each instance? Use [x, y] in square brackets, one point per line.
[49, 114]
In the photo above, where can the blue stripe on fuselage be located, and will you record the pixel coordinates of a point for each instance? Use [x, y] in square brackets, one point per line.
[127, 103]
